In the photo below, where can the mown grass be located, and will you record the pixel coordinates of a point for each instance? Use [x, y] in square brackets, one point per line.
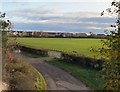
[90, 77]
[81, 46]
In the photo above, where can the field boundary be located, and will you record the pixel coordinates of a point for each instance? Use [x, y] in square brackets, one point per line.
[66, 57]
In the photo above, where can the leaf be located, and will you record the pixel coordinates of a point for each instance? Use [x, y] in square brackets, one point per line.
[112, 3]
[102, 13]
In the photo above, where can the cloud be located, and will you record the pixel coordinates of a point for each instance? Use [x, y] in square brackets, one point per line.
[52, 19]
[66, 27]
[56, 1]
[55, 16]
[94, 28]
[83, 14]
[35, 12]
[41, 12]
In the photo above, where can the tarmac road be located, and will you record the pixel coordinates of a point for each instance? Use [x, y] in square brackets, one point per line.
[56, 79]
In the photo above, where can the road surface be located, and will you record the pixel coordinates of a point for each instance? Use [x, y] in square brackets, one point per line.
[56, 79]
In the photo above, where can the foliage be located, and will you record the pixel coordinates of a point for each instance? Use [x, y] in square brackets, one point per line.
[4, 25]
[17, 73]
[111, 50]
[72, 58]
[33, 51]
[83, 61]
[30, 54]
[23, 76]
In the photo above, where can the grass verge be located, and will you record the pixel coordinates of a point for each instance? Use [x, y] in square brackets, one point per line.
[40, 81]
[90, 77]
[22, 75]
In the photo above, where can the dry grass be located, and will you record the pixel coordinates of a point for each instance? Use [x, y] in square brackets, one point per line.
[23, 76]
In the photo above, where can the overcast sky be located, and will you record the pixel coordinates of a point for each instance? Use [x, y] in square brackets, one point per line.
[58, 15]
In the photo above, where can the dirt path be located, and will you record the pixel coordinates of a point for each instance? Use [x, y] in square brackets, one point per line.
[56, 79]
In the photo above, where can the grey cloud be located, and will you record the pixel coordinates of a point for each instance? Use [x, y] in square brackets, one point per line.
[40, 11]
[99, 19]
[50, 19]
[53, 15]
[58, 27]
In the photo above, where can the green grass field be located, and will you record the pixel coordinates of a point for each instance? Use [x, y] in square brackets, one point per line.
[81, 45]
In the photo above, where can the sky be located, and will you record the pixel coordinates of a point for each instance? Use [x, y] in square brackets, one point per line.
[58, 15]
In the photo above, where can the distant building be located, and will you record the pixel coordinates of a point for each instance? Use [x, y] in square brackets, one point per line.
[52, 34]
[80, 35]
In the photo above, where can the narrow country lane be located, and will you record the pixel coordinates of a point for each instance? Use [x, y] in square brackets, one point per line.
[56, 79]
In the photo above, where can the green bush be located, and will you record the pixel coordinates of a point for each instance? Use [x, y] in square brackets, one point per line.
[40, 52]
[82, 60]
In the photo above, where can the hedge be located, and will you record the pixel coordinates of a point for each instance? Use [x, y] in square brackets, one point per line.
[82, 60]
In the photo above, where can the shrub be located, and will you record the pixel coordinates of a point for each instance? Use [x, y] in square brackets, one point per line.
[23, 76]
[41, 52]
[19, 81]
[82, 61]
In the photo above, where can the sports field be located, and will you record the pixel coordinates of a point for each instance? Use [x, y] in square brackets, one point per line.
[81, 46]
